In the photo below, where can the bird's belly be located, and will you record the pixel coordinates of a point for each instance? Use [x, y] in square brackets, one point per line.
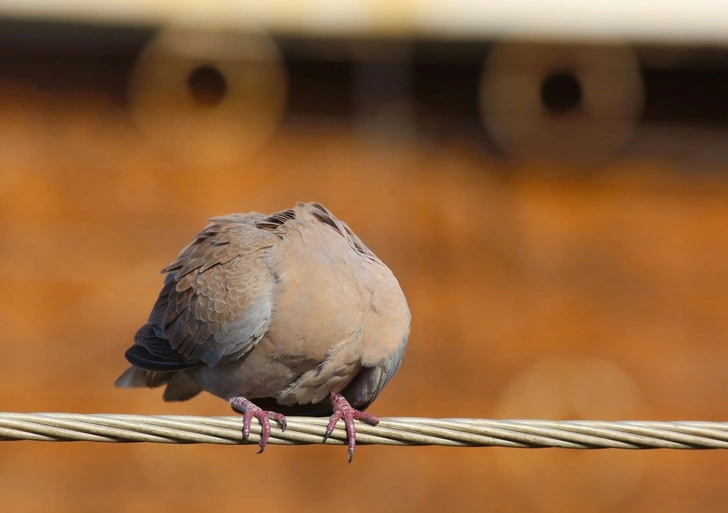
[254, 375]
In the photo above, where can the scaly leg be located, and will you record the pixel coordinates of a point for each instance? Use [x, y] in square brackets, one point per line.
[342, 409]
[249, 411]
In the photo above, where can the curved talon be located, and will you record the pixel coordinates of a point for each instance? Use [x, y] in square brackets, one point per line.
[250, 410]
[280, 419]
[335, 417]
[342, 409]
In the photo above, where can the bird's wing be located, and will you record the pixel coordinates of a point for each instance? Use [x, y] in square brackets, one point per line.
[216, 302]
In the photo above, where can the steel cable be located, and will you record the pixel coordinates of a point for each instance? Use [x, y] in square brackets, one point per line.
[187, 429]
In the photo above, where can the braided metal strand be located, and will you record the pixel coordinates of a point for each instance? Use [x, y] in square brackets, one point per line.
[183, 429]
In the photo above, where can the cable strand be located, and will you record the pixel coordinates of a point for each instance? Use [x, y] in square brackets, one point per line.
[189, 429]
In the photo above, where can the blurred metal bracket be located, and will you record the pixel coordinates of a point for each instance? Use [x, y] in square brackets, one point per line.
[208, 96]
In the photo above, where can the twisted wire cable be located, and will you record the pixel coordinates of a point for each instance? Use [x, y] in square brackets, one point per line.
[187, 429]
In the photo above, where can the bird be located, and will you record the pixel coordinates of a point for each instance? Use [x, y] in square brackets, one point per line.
[280, 315]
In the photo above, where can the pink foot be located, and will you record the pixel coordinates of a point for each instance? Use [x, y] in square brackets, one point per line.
[342, 409]
[249, 411]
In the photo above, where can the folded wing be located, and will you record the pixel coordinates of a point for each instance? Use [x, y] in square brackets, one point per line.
[215, 305]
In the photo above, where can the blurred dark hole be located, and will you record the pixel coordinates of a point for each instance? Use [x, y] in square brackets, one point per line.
[207, 85]
[561, 92]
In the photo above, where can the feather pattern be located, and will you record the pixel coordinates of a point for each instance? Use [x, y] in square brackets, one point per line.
[284, 309]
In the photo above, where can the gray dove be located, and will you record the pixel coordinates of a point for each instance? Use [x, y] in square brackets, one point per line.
[285, 314]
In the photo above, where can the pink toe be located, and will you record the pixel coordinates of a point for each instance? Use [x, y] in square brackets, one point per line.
[250, 410]
[342, 409]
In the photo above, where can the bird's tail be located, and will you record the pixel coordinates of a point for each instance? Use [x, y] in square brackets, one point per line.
[180, 387]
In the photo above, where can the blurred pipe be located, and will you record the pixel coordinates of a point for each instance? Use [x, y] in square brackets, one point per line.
[651, 21]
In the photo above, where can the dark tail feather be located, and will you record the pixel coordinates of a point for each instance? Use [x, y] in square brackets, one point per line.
[179, 386]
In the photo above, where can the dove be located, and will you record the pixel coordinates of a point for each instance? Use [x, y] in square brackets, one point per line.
[279, 315]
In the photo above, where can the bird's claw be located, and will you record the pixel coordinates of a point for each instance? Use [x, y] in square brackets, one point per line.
[251, 411]
[335, 417]
[343, 410]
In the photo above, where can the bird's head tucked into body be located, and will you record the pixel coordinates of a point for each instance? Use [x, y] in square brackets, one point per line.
[288, 312]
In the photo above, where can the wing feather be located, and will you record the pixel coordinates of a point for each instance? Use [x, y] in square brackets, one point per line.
[216, 301]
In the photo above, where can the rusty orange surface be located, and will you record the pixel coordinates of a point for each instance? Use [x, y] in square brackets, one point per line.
[532, 296]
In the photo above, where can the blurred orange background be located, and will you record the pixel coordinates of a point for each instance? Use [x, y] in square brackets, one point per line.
[535, 293]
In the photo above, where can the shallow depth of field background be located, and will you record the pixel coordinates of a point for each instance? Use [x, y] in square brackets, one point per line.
[538, 290]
